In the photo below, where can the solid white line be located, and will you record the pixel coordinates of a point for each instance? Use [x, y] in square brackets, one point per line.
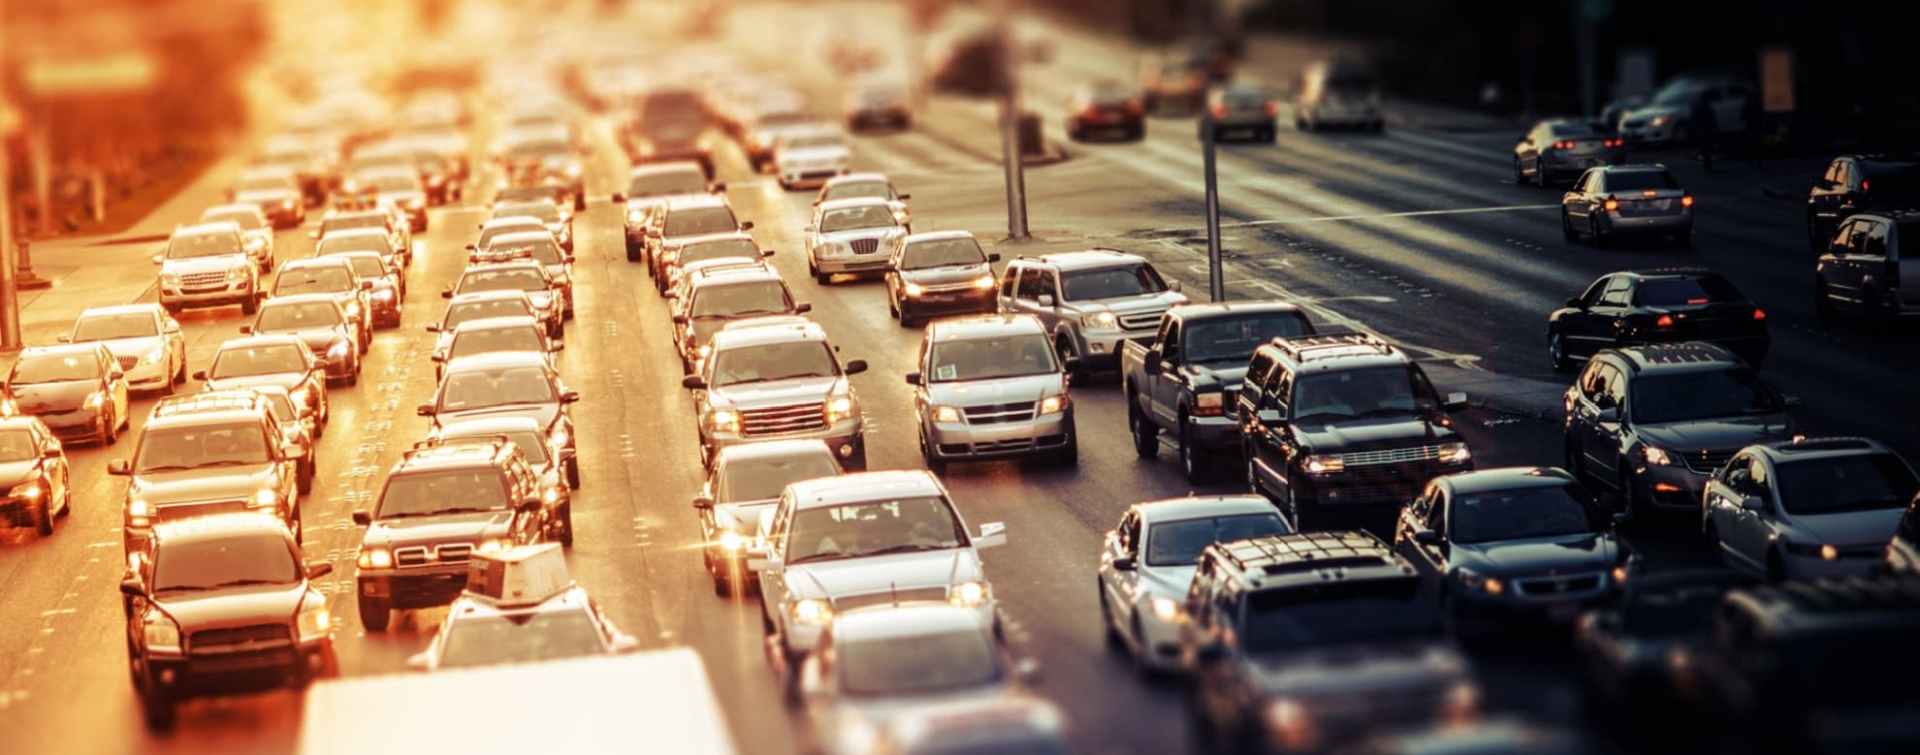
[1375, 216]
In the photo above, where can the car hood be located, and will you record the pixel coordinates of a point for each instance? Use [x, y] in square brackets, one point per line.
[742, 516]
[233, 607]
[1850, 528]
[1167, 581]
[218, 263]
[1372, 433]
[190, 485]
[905, 571]
[776, 393]
[287, 380]
[545, 414]
[317, 339]
[819, 154]
[1566, 554]
[64, 396]
[946, 276]
[1131, 305]
[1360, 670]
[1002, 391]
[14, 472]
[1719, 433]
[455, 528]
[133, 347]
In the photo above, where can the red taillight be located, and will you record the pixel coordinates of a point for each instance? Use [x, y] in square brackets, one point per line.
[1686, 200]
[1219, 111]
[1665, 321]
[1273, 109]
[1863, 184]
[1611, 204]
[1614, 143]
[1759, 314]
[1563, 144]
[1134, 107]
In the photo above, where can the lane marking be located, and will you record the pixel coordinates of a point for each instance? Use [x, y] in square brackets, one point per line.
[1349, 218]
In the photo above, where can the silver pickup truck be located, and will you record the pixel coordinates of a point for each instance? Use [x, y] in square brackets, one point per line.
[1090, 301]
[1181, 379]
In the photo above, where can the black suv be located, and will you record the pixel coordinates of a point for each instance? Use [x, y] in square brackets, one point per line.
[1650, 423]
[1344, 426]
[1304, 641]
[1656, 306]
[1859, 183]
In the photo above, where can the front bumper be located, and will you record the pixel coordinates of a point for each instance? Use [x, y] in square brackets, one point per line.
[1158, 640]
[1672, 488]
[871, 262]
[1479, 613]
[1101, 349]
[206, 296]
[414, 587]
[960, 440]
[949, 301]
[206, 674]
[148, 377]
[76, 424]
[811, 177]
[1854, 561]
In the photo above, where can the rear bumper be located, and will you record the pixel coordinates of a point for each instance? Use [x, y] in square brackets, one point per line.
[231, 293]
[1676, 223]
[418, 587]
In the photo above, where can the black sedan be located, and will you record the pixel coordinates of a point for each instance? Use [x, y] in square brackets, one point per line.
[1632, 308]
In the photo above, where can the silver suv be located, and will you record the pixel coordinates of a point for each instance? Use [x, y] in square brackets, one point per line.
[777, 379]
[1089, 301]
[207, 265]
[990, 386]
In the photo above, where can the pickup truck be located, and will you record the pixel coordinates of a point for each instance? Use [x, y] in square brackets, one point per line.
[1180, 380]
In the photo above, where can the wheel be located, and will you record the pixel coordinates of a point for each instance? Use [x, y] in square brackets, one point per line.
[722, 587]
[44, 521]
[935, 464]
[1272, 135]
[111, 432]
[823, 278]
[1146, 436]
[1593, 232]
[1068, 455]
[374, 614]
[1064, 348]
[156, 707]
[304, 478]
[353, 378]
[180, 372]
[573, 473]
[166, 386]
[1822, 305]
[566, 525]
[1566, 228]
[1557, 352]
[1539, 175]
[1815, 240]
[250, 305]
[1519, 176]
[1197, 469]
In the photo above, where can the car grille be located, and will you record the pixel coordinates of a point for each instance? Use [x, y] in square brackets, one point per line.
[1640, 123]
[419, 555]
[850, 602]
[864, 246]
[215, 639]
[1559, 586]
[1391, 456]
[1709, 461]
[1141, 320]
[127, 363]
[1372, 492]
[776, 420]
[198, 280]
[168, 512]
[989, 414]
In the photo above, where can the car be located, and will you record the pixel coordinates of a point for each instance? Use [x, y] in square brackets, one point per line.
[299, 429]
[496, 334]
[1807, 508]
[34, 472]
[275, 191]
[441, 503]
[1106, 106]
[670, 126]
[742, 486]
[389, 290]
[873, 538]
[371, 240]
[1344, 428]
[1173, 84]
[254, 227]
[1029, 725]
[1147, 563]
[335, 278]
[684, 217]
[1090, 301]
[720, 295]
[484, 629]
[1558, 148]
[539, 247]
[223, 604]
[867, 186]
[1337, 93]
[1854, 184]
[481, 251]
[939, 272]
[1240, 109]
[282, 361]
[378, 219]
[1512, 548]
[1669, 115]
[806, 158]
[876, 666]
[524, 275]
[318, 321]
[990, 387]
[649, 186]
[558, 220]
[555, 465]
[1307, 641]
[478, 305]
[144, 339]
[780, 380]
[548, 162]
[1666, 305]
[77, 390]
[502, 384]
[763, 130]
[304, 157]
[1614, 200]
[1623, 649]
[208, 265]
[1648, 424]
[401, 189]
[878, 100]
[847, 236]
[208, 454]
[737, 246]
[1871, 269]
[1183, 379]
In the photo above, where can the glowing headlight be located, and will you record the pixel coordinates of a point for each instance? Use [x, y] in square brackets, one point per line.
[97, 400]
[491, 545]
[338, 350]
[1660, 120]
[236, 273]
[139, 508]
[265, 498]
[1166, 609]
[724, 421]
[1104, 320]
[1657, 456]
[915, 289]
[171, 279]
[1291, 724]
[161, 632]
[315, 619]
[1455, 453]
[353, 309]
[968, 594]
[153, 357]
[31, 491]
[413, 203]
[7, 406]
[550, 496]
[705, 350]
[839, 408]
[376, 558]
[811, 611]
[946, 414]
[636, 217]
[1325, 465]
[1483, 584]
[256, 244]
[1054, 404]
[983, 282]
[573, 170]
[559, 436]
[732, 542]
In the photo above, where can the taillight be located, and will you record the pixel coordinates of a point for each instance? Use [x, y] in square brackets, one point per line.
[1614, 143]
[1863, 184]
[1219, 111]
[1273, 109]
[1665, 321]
[1759, 314]
[1611, 204]
[1686, 200]
[1563, 144]
[1134, 107]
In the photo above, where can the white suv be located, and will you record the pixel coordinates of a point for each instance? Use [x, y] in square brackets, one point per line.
[207, 265]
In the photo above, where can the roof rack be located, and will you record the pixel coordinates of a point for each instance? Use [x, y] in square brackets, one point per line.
[1685, 352]
[1309, 348]
[207, 401]
[497, 442]
[1836, 443]
[1286, 554]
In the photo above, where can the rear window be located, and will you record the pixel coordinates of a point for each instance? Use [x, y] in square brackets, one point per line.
[1573, 130]
[1843, 484]
[1686, 292]
[1638, 180]
[699, 221]
[1892, 177]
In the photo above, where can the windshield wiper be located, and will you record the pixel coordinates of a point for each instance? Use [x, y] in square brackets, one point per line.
[818, 557]
[228, 463]
[905, 548]
[246, 582]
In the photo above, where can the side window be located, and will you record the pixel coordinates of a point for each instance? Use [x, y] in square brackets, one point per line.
[1029, 284]
[1876, 239]
[1616, 384]
[1197, 591]
[1833, 172]
[1170, 339]
[1592, 296]
[1842, 236]
[1283, 391]
[777, 535]
[1048, 286]
[1437, 512]
[1257, 370]
[1592, 381]
[1758, 473]
[1007, 279]
[1845, 174]
[1421, 505]
[1619, 292]
[1857, 236]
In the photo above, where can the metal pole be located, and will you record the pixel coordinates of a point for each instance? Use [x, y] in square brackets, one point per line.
[1010, 155]
[1216, 281]
[9, 296]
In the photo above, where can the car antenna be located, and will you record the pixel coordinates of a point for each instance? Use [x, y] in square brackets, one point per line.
[893, 592]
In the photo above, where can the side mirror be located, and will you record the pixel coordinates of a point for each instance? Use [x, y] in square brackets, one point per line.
[1151, 363]
[424, 410]
[570, 397]
[1426, 537]
[1070, 364]
[1753, 502]
[747, 226]
[1175, 286]
[366, 285]
[913, 378]
[808, 229]
[1045, 300]
[318, 570]
[693, 383]
[132, 587]
[291, 450]
[246, 329]
[159, 258]
[200, 375]
[1124, 563]
[717, 187]
[421, 661]
[766, 253]
[446, 293]
[556, 345]
[904, 197]
[313, 235]
[363, 518]
[472, 248]
[856, 366]
[173, 326]
[529, 506]
[433, 327]
[617, 197]
[702, 502]
[1455, 401]
[1027, 670]
[802, 308]
[992, 535]
[624, 643]
[1620, 518]
[119, 468]
[63, 339]
[993, 256]
[52, 453]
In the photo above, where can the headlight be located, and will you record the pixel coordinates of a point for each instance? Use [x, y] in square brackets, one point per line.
[97, 400]
[946, 414]
[171, 279]
[265, 499]
[314, 619]
[559, 436]
[1455, 453]
[1166, 609]
[413, 203]
[915, 289]
[1290, 724]
[154, 356]
[353, 309]
[1661, 120]
[811, 611]
[636, 217]
[1657, 456]
[724, 421]
[1054, 404]
[550, 496]
[969, 594]
[162, 633]
[1324, 464]
[1476, 582]
[1620, 575]
[573, 170]
[839, 408]
[984, 282]
[236, 273]
[338, 350]
[376, 558]
[8, 407]
[1209, 404]
[139, 508]
[1462, 703]
[30, 490]
[834, 249]
[731, 541]
[491, 545]
[1102, 320]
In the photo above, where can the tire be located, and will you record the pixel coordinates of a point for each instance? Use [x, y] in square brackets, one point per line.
[1146, 437]
[1557, 352]
[375, 613]
[824, 279]
[935, 464]
[566, 525]
[1063, 348]
[44, 521]
[112, 431]
[304, 478]
[1593, 232]
[573, 473]
[156, 707]
[1069, 455]
[250, 305]
[1566, 228]
[1197, 470]
[180, 372]
[1631, 502]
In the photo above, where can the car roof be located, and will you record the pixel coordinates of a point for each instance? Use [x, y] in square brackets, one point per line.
[735, 273]
[321, 261]
[854, 178]
[1687, 356]
[302, 299]
[774, 332]
[230, 399]
[496, 360]
[1802, 448]
[489, 425]
[695, 201]
[969, 327]
[501, 221]
[1201, 310]
[852, 202]
[120, 309]
[1198, 507]
[503, 265]
[18, 422]
[540, 235]
[260, 339]
[1086, 259]
[673, 166]
[380, 215]
[490, 294]
[459, 453]
[1505, 478]
[770, 449]
[199, 229]
[706, 238]
[1661, 273]
[1339, 351]
[214, 415]
[247, 207]
[1310, 558]
[1632, 168]
[213, 526]
[54, 349]
[1847, 604]
[903, 620]
[864, 486]
[356, 231]
[497, 323]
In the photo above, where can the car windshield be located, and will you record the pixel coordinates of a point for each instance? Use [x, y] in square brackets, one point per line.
[520, 638]
[210, 563]
[244, 218]
[194, 446]
[667, 183]
[1677, 92]
[55, 368]
[368, 267]
[109, 327]
[721, 249]
[489, 340]
[858, 190]
[541, 248]
[1279, 621]
[1685, 292]
[479, 389]
[1498, 515]
[762, 297]
[533, 445]
[517, 224]
[1112, 282]
[856, 218]
[246, 361]
[922, 255]
[822, 141]
[545, 212]
[516, 279]
[297, 316]
[991, 358]
[917, 663]
[1841, 484]
[699, 221]
[761, 478]
[871, 528]
[1639, 180]
[352, 242]
[18, 445]
[1233, 339]
[1577, 130]
[426, 493]
[478, 310]
[766, 362]
[1179, 542]
[207, 244]
[313, 280]
[350, 222]
[1363, 392]
[1688, 396]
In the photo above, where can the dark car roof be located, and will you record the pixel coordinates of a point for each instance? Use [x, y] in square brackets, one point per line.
[1834, 604]
[1505, 478]
[1820, 448]
[1294, 560]
[1214, 309]
[454, 454]
[1341, 351]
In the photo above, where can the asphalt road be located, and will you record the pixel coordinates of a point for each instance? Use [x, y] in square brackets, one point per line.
[1313, 218]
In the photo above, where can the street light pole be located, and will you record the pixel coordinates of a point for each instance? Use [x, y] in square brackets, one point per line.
[9, 295]
[1216, 280]
[1010, 147]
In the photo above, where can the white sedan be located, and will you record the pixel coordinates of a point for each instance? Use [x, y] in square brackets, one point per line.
[143, 338]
